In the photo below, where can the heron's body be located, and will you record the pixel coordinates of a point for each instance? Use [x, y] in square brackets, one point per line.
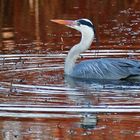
[103, 68]
[107, 68]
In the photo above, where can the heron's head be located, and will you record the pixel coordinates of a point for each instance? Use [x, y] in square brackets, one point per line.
[82, 25]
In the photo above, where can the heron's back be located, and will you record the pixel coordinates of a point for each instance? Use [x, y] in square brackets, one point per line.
[107, 68]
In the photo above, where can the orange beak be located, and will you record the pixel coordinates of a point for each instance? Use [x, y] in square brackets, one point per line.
[64, 22]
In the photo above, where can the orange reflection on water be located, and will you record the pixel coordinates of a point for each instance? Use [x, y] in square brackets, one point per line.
[109, 126]
[116, 22]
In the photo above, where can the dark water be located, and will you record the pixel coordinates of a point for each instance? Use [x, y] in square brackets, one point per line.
[36, 100]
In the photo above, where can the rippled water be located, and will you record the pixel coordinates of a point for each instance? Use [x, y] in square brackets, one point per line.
[37, 101]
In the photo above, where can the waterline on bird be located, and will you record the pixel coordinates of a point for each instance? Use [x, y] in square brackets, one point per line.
[102, 84]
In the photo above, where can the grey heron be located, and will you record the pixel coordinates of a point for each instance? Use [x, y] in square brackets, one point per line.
[101, 68]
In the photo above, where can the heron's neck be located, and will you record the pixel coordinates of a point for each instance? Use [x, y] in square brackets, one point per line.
[86, 40]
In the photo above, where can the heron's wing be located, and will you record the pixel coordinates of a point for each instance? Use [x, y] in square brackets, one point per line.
[107, 68]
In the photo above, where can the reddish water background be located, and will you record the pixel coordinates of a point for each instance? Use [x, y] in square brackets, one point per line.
[31, 71]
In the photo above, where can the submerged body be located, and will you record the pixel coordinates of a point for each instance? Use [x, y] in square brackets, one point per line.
[103, 68]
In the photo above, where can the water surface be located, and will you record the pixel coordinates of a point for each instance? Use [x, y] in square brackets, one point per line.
[36, 100]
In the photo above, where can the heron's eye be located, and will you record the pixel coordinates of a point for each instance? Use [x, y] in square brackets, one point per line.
[78, 23]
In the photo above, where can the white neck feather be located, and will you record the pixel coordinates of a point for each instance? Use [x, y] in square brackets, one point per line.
[86, 40]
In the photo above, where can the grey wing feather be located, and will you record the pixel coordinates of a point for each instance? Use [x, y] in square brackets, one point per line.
[107, 68]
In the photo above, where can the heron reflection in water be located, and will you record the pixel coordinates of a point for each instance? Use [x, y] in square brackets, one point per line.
[102, 68]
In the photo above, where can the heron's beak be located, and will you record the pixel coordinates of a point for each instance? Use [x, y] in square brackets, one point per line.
[64, 22]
